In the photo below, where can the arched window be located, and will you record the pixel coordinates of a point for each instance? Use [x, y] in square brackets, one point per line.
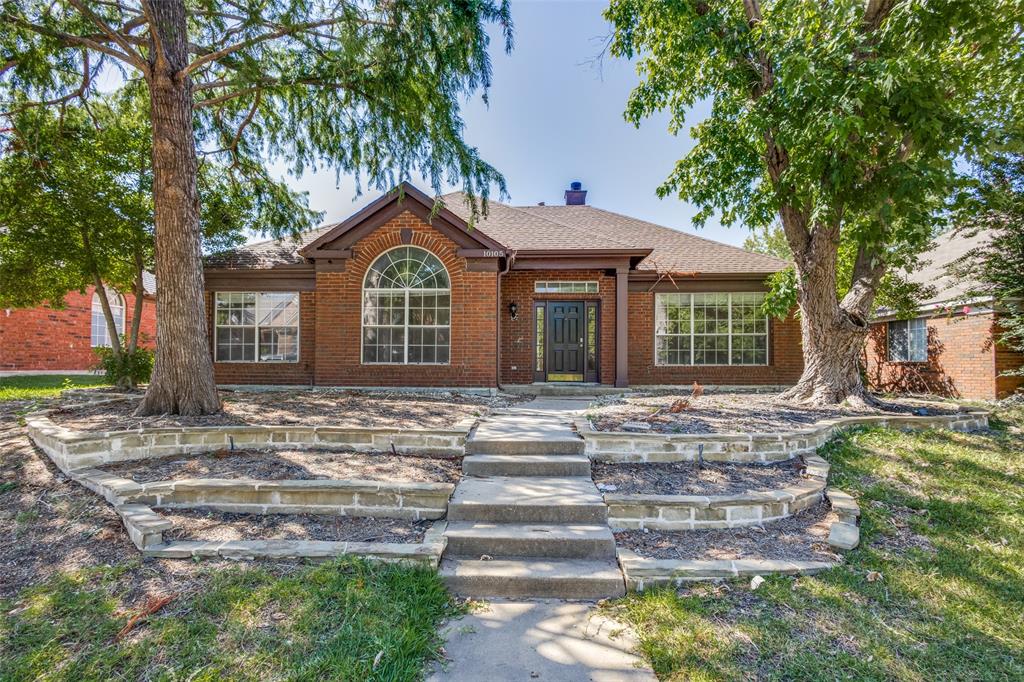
[406, 309]
[98, 335]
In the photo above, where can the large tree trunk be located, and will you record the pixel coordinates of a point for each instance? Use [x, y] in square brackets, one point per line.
[182, 381]
[832, 331]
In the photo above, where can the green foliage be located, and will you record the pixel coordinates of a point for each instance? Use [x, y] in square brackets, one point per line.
[372, 89]
[941, 524]
[342, 620]
[130, 367]
[844, 120]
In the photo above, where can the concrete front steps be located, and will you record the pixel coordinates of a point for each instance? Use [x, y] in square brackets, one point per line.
[526, 520]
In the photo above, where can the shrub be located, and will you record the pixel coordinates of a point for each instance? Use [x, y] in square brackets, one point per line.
[128, 369]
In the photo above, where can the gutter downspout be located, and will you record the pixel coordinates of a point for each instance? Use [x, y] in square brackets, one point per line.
[497, 319]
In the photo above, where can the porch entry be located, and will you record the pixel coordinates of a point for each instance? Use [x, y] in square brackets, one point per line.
[566, 341]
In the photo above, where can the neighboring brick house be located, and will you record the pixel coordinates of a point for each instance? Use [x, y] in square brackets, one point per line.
[402, 295]
[52, 340]
[950, 347]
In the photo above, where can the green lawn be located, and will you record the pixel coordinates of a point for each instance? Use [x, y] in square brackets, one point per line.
[943, 540]
[35, 386]
[344, 620]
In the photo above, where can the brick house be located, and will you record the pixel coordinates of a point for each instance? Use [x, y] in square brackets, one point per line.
[949, 347]
[401, 294]
[59, 340]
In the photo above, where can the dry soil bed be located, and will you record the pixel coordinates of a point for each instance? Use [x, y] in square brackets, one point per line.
[802, 537]
[300, 407]
[685, 478]
[292, 465]
[221, 526]
[733, 413]
[50, 524]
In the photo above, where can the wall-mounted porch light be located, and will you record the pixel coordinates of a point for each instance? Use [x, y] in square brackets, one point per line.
[513, 309]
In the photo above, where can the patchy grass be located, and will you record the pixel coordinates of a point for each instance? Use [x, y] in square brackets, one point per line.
[344, 620]
[935, 591]
[37, 386]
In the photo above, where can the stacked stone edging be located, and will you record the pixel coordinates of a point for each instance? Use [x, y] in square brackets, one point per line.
[146, 527]
[340, 497]
[697, 512]
[642, 572]
[76, 453]
[630, 447]
[72, 450]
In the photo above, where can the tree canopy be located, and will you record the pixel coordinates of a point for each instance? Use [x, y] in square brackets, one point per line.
[372, 89]
[843, 121]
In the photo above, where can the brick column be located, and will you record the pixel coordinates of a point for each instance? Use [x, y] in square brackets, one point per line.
[621, 327]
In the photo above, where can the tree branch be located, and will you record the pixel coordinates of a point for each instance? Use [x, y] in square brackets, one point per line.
[868, 270]
[255, 40]
[245, 124]
[130, 53]
[875, 13]
[68, 39]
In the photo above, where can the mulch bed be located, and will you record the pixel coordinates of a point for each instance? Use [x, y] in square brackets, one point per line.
[802, 537]
[50, 525]
[685, 478]
[222, 526]
[733, 413]
[300, 407]
[292, 465]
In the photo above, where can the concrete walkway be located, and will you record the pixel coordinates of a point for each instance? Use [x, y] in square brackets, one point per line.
[539, 640]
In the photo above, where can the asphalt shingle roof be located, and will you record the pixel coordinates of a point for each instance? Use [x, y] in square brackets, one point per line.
[935, 270]
[554, 228]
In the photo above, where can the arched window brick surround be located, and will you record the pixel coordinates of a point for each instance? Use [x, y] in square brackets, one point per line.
[406, 309]
[339, 315]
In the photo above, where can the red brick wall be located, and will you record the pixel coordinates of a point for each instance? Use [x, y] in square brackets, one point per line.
[785, 360]
[339, 312]
[518, 336]
[1007, 359]
[962, 361]
[48, 339]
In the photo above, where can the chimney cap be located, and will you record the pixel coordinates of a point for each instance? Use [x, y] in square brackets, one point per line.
[575, 195]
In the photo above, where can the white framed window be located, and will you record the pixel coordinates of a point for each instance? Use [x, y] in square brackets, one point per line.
[252, 326]
[565, 287]
[710, 329]
[98, 335]
[406, 309]
[908, 340]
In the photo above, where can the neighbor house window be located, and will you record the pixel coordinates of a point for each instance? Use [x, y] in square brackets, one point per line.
[565, 287]
[710, 329]
[908, 340]
[407, 309]
[257, 326]
[98, 335]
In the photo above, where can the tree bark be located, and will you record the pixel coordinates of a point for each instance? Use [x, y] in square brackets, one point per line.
[182, 381]
[140, 294]
[833, 332]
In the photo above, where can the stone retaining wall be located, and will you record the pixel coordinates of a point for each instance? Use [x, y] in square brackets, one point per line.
[699, 512]
[145, 527]
[415, 501]
[625, 446]
[72, 450]
[643, 572]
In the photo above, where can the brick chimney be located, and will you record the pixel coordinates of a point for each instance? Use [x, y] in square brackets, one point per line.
[575, 195]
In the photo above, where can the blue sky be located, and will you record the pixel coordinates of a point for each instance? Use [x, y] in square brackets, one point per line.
[555, 117]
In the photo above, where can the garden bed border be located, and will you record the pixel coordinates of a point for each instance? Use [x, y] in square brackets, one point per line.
[146, 527]
[643, 572]
[72, 450]
[628, 511]
[634, 447]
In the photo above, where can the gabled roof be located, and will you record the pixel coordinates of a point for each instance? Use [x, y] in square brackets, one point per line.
[936, 266]
[524, 229]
